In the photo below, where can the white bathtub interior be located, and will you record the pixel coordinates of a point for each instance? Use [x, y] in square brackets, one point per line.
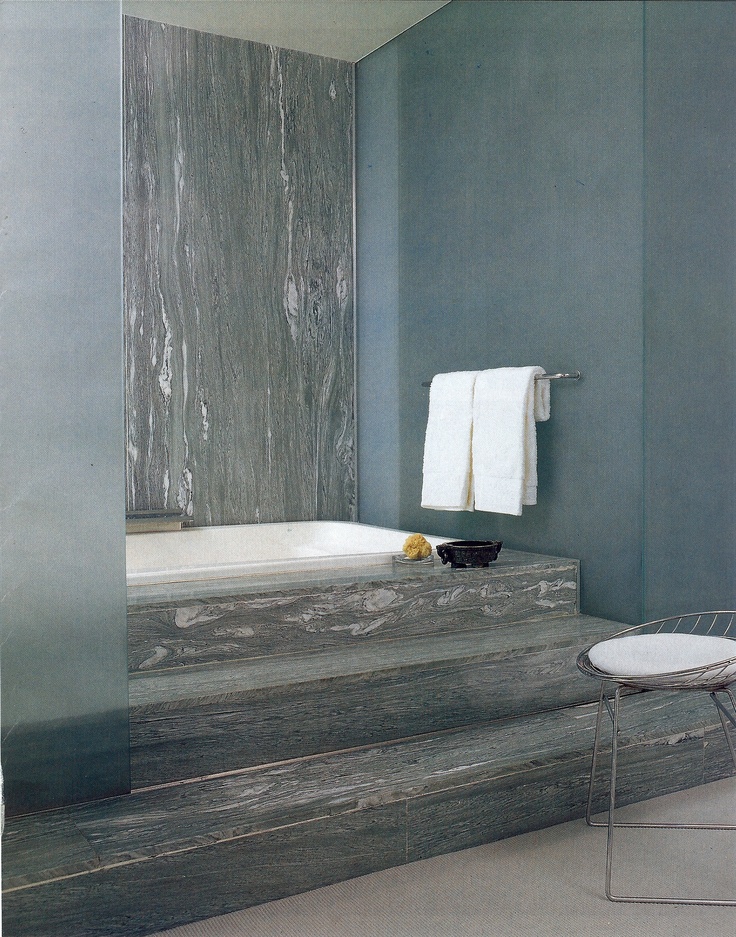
[215, 553]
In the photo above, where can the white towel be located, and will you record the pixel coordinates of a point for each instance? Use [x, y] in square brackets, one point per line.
[504, 451]
[447, 480]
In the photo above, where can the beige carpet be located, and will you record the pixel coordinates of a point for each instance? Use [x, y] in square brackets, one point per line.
[545, 883]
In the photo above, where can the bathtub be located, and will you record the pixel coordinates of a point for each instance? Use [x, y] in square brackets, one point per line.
[259, 551]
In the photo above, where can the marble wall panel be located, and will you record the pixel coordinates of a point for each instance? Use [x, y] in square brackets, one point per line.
[238, 278]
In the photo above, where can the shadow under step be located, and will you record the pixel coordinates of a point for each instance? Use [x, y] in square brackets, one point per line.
[165, 856]
[195, 721]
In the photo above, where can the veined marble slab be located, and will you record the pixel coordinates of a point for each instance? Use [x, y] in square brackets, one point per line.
[141, 897]
[186, 852]
[205, 631]
[230, 717]
[185, 687]
[238, 278]
[158, 821]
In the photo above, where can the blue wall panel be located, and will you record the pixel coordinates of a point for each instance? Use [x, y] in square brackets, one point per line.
[565, 198]
[377, 211]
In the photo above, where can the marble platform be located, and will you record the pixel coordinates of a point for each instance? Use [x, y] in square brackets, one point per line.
[291, 738]
[309, 612]
[191, 721]
[167, 855]
[222, 683]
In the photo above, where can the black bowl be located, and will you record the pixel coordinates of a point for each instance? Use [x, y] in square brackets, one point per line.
[465, 554]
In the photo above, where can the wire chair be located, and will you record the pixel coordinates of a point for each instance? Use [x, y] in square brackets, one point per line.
[657, 644]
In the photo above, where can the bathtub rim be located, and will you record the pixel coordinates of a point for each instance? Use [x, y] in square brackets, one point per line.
[242, 572]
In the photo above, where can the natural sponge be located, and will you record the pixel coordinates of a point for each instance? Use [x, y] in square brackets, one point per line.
[417, 547]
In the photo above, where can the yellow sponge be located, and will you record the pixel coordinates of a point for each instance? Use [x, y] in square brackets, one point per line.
[417, 547]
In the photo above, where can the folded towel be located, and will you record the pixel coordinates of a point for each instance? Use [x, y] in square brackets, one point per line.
[504, 451]
[541, 398]
[447, 480]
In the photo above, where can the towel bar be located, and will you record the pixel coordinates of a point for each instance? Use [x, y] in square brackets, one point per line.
[574, 376]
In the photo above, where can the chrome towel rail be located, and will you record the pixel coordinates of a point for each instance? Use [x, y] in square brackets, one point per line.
[573, 376]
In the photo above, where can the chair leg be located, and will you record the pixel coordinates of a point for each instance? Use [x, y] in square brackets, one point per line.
[652, 899]
[726, 718]
[602, 701]
[612, 795]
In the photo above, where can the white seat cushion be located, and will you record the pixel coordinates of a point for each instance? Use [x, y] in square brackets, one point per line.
[639, 655]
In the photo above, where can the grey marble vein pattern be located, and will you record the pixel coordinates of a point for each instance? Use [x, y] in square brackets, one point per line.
[178, 853]
[186, 686]
[185, 633]
[43, 846]
[177, 888]
[162, 820]
[186, 723]
[346, 781]
[487, 811]
[238, 279]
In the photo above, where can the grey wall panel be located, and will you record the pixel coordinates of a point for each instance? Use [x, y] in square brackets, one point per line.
[690, 298]
[377, 192]
[64, 647]
[520, 180]
[238, 278]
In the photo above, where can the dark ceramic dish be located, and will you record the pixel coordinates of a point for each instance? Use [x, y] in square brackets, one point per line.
[464, 554]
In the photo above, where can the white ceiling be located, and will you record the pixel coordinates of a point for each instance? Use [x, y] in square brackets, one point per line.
[339, 29]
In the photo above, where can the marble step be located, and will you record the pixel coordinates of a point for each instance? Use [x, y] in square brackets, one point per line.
[194, 721]
[176, 853]
[395, 603]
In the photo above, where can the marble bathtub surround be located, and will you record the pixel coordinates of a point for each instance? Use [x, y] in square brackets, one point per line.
[185, 722]
[283, 740]
[148, 823]
[238, 278]
[398, 604]
[151, 822]
[226, 682]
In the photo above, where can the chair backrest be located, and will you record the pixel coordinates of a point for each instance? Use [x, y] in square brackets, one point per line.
[715, 624]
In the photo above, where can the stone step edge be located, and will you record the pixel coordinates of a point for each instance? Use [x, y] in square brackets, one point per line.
[167, 596]
[84, 836]
[225, 681]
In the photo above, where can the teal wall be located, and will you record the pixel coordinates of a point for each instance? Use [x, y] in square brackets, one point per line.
[689, 308]
[377, 281]
[62, 563]
[535, 151]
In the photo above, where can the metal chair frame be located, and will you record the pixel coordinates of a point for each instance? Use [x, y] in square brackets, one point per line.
[715, 679]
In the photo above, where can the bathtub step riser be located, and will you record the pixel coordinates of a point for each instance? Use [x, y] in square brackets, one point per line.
[301, 852]
[163, 635]
[303, 719]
